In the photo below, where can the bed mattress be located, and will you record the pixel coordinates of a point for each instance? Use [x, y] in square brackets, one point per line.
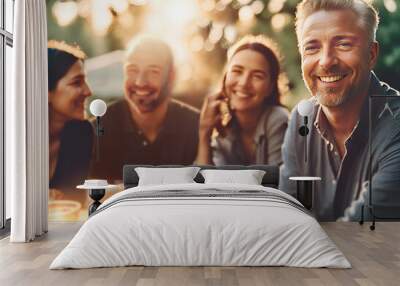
[201, 225]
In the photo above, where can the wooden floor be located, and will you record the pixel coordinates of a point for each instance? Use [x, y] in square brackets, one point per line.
[375, 257]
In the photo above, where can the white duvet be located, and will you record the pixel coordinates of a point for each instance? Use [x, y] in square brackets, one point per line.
[185, 231]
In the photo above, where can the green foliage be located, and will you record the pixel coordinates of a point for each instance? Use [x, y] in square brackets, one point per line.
[388, 36]
[387, 69]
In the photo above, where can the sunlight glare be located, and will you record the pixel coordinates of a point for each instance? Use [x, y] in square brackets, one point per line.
[169, 20]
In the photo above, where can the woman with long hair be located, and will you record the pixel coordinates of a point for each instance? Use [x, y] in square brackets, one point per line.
[70, 135]
[245, 122]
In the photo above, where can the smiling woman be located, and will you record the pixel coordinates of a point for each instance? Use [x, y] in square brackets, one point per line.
[246, 116]
[68, 90]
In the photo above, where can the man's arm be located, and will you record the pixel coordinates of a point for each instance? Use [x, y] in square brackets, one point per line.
[385, 183]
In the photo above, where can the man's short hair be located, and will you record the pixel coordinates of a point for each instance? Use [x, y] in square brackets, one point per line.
[153, 43]
[363, 8]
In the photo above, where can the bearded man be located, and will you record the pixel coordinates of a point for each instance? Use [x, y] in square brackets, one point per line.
[147, 126]
[338, 50]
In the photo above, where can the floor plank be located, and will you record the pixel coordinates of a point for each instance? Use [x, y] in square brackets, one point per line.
[374, 255]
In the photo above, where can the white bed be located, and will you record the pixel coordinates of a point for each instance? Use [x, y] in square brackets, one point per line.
[225, 225]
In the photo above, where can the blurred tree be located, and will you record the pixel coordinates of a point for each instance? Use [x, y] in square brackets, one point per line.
[273, 18]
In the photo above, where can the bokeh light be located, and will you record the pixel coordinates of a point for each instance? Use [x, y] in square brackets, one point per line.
[275, 6]
[390, 5]
[65, 12]
[230, 33]
[199, 33]
[119, 6]
[169, 20]
[246, 14]
[101, 17]
[257, 6]
[279, 21]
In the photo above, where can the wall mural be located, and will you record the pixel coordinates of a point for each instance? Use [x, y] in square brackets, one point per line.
[216, 82]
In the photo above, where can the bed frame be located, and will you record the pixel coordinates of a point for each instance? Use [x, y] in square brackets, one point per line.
[270, 179]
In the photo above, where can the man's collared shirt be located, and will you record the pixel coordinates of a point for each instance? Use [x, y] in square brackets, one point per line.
[124, 143]
[344, 185]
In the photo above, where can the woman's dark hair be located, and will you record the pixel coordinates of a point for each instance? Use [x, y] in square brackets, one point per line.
[61, 57]
[269, 49]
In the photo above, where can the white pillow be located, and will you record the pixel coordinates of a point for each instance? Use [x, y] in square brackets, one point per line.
[162, 176]
[248, 177]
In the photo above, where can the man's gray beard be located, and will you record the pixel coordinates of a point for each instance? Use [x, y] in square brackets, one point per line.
[331, 101]
[163, 96]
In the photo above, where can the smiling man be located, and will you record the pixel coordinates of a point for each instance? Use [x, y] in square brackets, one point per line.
[147, 126]
[338, 52]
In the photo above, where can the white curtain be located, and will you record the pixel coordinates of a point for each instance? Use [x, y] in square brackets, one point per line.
[27, 123]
